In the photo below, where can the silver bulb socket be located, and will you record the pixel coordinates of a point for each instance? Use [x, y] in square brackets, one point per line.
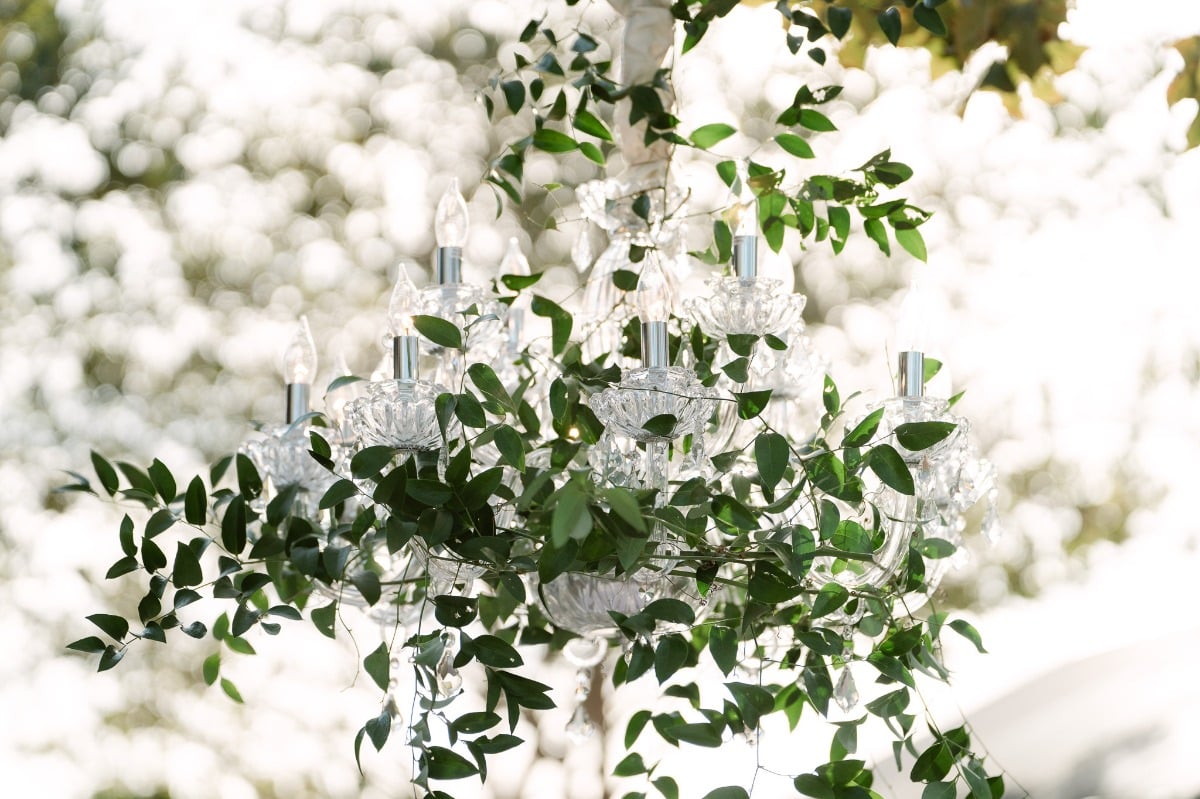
[912, 374]
[297, 401]
[745, 257]
[405, 358]
[654, 345]
[448, 265]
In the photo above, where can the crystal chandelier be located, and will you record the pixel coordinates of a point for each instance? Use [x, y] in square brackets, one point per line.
[662, 428]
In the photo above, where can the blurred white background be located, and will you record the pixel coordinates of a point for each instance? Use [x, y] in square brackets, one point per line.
[202, 173]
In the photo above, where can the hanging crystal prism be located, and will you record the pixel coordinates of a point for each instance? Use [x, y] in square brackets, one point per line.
[449, 681]
[845, 693]
[580, 727]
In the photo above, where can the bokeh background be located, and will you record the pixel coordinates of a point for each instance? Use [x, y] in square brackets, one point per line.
[178, 182]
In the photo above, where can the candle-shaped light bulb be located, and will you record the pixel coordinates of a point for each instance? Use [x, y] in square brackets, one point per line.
[744, 221]
[581, 251]
[450, 225]
[652, 299]
[744, 215]
[653, 303]
[299, 369]
[451, 221]
[403, 303]
[300, 358]
[514, 261]
[912, 341]
[912, 327]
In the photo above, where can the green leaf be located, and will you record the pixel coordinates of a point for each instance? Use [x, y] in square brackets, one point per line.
[571, 518]
[939, 790]
[936, 548]
[511, 447]
[741, 343]
[965, 629]
[641, 206]
[495, 652]
[378, 665]
[123, 566]
[662, 425]
[90, 645]
[239, 645]
[728, 792]
[890, 467]
[929, 19]
[878, 234]
[560, 321]
[831, 597]
[113, 626]
[233, 526]
[486, 380]
[455, 611]
[667, 787]
[727, 171]
[708, 135]
[584, 121]
[185, 597]
[445, 764]
[729, 510]
[839, 19]
[751, 403]
[440, 331]
[551, 141]
[126, 536]
[889, 23]
[592, 153]
[110, 658]
[338, 493]
[754, 701]
[912, 241]
[107, 474]
[864, 431]
[933, 764]
[514, 94]
[738, 370]
[469, 410]
[187, 569]
[367, 583]
[891, 667]
[476, 722]
[722, 645]
[195, 503]
[795, 145]
[231, 690]
[324, 617]
[814, 120]
[637, 722]
[369, 462]
[164, 481]
[814, 786]
[771, 454]
[211, 668]
[670, 610]
[249, 481]
[771, 585]
[916, 436]
[160, 522]
[631, 765]
[670, 656]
